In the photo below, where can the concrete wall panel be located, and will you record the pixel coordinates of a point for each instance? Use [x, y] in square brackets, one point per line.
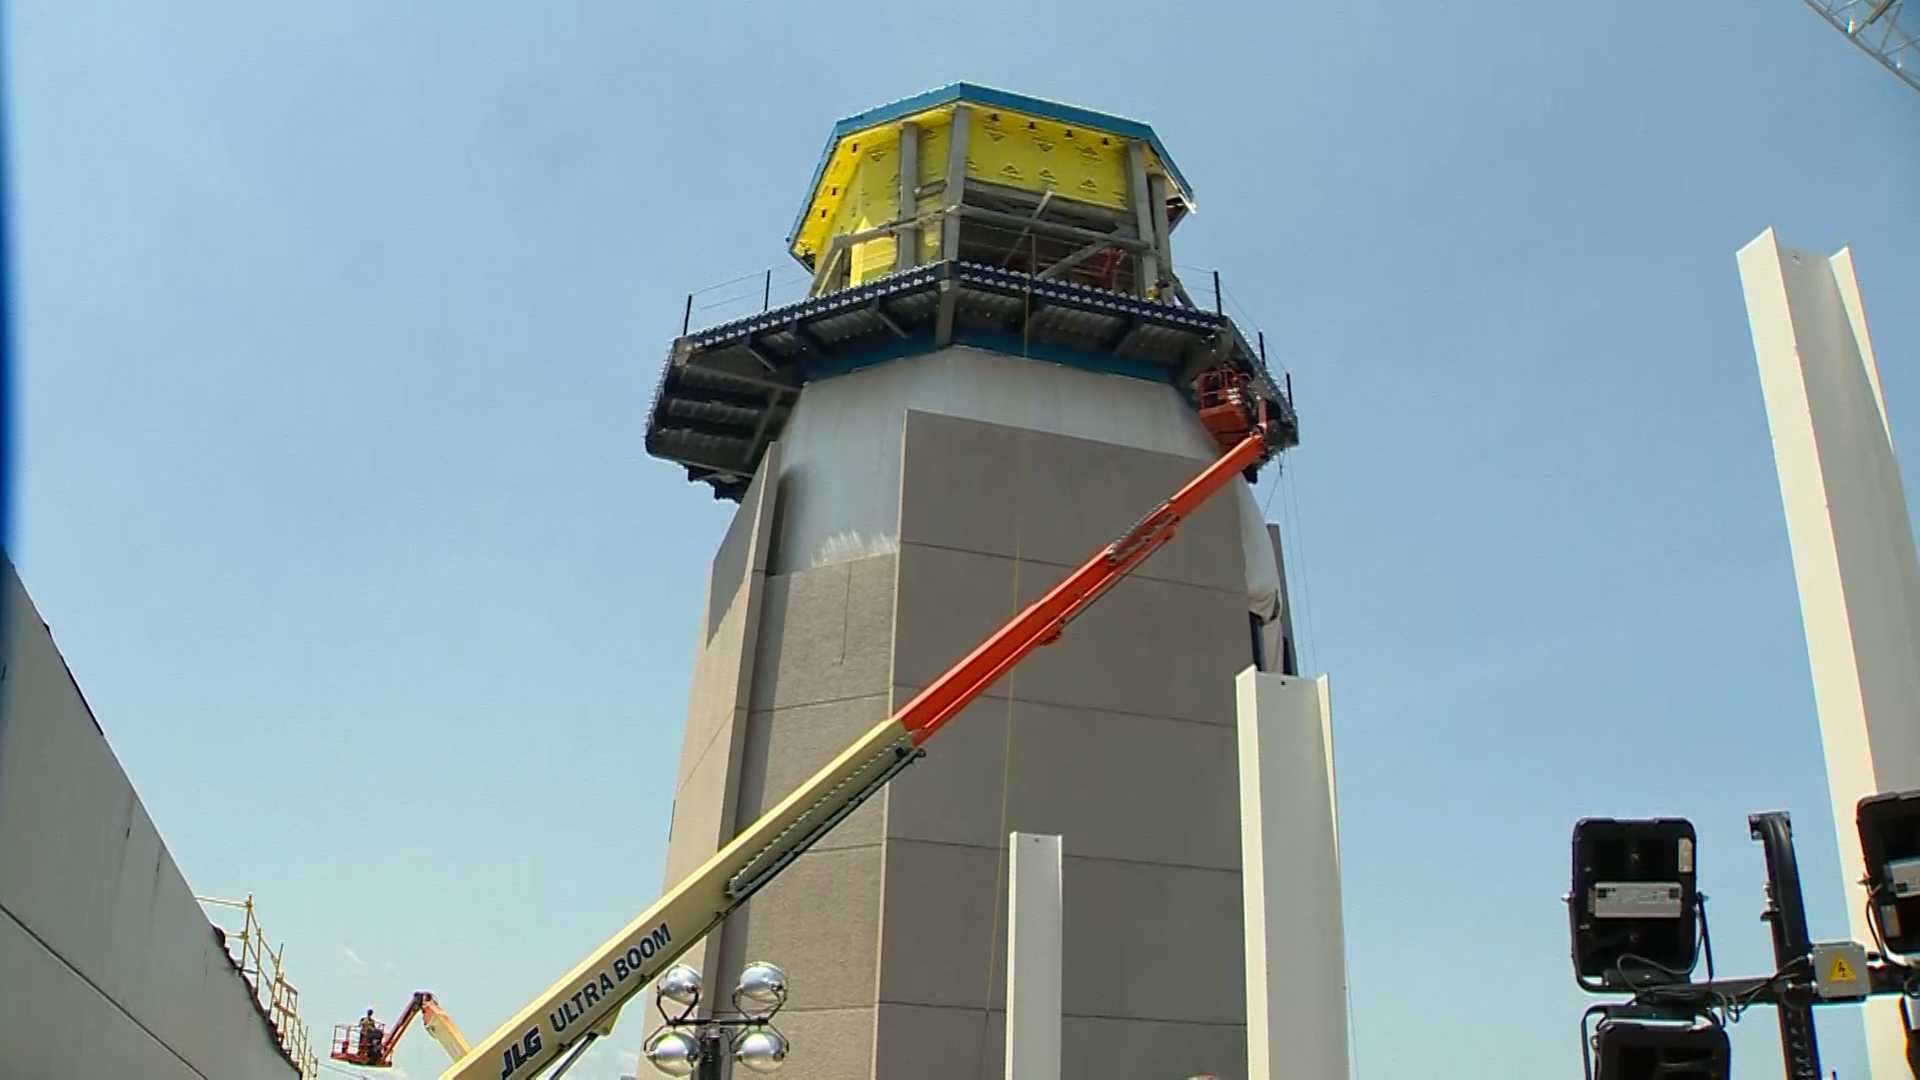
[950, 901]
[1129, 924]
[826, 634]
[942, 1043]
[1124, 920]
[1146, 647]
[1073, 495]
[1097, 1047]
[953, 797]
[821, 921]
[93, 911]
[1100, 780]
[949, 600]
[959, 499]
[77, 1031]
[1120, 786]
[828, 1044]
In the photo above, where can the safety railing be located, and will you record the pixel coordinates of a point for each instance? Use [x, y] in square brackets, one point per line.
[354, 1045]
[260, 966]
[748, 294]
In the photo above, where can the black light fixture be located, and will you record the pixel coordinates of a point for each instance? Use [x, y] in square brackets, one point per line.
[1890, 841]
[1632, 1050]
[1634, 907]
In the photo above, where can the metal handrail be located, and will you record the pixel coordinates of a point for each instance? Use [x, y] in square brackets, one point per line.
[261, 968]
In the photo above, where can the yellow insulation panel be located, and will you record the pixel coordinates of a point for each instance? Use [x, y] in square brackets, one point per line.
[860, 188]
[1036, 155]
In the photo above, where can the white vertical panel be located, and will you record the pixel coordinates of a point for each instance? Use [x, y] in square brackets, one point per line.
[1033, 957]
[1290, 871]
[1853, 549]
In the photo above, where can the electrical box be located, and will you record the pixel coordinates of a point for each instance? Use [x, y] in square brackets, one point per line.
[1634, 905]
[1840, 971]
[1890, 843]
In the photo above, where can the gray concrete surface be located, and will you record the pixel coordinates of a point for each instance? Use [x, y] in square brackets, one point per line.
[108, 966]
[1119, 738]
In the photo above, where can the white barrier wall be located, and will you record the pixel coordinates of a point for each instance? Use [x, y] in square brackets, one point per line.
[1853, 550]
[1290, 875]
[108, 966]
[1034, 956]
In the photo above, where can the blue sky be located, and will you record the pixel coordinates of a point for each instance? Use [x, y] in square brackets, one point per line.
[338, 326]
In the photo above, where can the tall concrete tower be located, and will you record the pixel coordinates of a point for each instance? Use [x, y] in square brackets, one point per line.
[990, 376]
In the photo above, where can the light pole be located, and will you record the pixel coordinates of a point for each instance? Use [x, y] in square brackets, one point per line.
[1639, 927]
[694, 1046]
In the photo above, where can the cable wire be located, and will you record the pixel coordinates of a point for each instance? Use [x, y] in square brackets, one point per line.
[1002, 866]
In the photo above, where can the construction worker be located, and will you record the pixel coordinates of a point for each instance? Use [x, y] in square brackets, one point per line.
[369, 1039]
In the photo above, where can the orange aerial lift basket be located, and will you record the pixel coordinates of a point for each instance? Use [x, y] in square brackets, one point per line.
[370, 1044]
[1228, 407]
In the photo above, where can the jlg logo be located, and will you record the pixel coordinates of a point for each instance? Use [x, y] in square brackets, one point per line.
[520, 1053]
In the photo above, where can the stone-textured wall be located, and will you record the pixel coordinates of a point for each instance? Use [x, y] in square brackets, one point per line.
[1119, 737]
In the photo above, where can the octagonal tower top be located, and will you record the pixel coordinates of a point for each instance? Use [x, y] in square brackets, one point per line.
[1026, 184]
[961, 216]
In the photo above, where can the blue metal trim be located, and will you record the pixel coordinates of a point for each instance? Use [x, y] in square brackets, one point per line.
[984, 95]
[845, 363]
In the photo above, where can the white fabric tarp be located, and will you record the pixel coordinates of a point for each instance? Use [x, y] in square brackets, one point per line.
[840, 450]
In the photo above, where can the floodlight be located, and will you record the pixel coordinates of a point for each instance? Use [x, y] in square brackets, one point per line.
[1629, 1050]
[762, 984]
[672, 1051]
[679, 984]
[1634, 907]
[760, 1049]
[1890, 842]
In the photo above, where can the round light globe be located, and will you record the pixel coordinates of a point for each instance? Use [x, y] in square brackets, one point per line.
[675, 1053]
[760, 1049]
[763, 984]
[679, 984]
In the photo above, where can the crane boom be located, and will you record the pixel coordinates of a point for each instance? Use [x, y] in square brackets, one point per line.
[583, 1004]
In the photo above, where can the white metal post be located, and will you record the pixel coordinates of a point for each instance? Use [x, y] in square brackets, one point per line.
[1290, 875]
[1853, 548]
[1034, 930]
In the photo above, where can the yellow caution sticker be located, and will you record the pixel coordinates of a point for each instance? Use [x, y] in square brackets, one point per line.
[1841, 971]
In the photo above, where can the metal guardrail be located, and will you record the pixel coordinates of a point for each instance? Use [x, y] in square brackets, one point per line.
[260, 966]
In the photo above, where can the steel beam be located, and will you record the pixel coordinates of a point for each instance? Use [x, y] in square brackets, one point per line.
[906, 242]
[962, 123]
[1035, 944]
[1147, 267]
[1296, 968]
[1157, 207]
[1074, 259]
[1052, 228]
[1852, 543]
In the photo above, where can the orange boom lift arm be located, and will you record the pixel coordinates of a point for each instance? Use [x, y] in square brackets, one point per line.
[562, 1022]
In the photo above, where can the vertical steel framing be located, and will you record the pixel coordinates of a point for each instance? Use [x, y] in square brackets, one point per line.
[1147, 264]
[956, 180]
[1160, 238]
[1786, 916]
[906, 242]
